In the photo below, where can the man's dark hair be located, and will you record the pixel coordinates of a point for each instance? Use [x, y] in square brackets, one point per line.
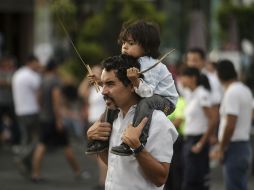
[120, 64]
[145, 34]
[30, 58]
[69, 91]
[198, 51]
[51, 65]
[201, 78]
[226, 70]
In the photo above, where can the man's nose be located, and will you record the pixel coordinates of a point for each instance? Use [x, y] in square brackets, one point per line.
[104, 90]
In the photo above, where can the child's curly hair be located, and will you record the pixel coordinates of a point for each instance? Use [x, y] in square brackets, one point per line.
[144, 33]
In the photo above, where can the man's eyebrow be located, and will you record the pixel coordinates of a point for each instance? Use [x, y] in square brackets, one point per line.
[109, 82]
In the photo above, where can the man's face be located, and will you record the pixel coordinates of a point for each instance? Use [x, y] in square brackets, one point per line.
[36, 66]
[195, 60]
[114, 92]
[187, 81]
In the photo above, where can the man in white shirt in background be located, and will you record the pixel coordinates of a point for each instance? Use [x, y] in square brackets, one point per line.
[148, 167]
[25, 85]
[234, 149]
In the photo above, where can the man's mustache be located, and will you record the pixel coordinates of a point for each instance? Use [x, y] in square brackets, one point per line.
[106, 97]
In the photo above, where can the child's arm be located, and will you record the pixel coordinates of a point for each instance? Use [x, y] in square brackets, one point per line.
[141, 87]
[133, 76]
[92, 79]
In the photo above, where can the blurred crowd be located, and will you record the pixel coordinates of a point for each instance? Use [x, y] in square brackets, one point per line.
[40, 109]
[214, 117]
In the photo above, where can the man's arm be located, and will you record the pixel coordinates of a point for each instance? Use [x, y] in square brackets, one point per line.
[100, 131]
[206, 136]
[142, 88]
[154, 170]
[57, 107]
[218, 153]
[228, 132]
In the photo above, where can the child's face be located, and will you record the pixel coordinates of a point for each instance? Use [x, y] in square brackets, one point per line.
[132, 48]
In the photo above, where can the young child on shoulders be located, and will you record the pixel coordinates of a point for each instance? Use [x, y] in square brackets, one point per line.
[157, 89]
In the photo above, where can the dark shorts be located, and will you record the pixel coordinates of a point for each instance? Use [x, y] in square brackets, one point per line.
[50, 136]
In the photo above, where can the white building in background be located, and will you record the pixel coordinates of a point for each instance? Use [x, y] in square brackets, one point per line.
[43, 46]
[25, 28]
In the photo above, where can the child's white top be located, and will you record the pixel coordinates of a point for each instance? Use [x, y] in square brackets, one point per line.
[158, 80]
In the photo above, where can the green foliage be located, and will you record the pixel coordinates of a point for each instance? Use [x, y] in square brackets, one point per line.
[72, 70]
[243, 16]
[64, 10]
[100, 32]
[96, 35]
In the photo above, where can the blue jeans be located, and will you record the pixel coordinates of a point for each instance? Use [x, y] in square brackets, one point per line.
[237, 161]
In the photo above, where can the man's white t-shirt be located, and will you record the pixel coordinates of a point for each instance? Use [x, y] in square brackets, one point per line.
[124, 172]
[25, 86]
[237, 101]
[196, 122]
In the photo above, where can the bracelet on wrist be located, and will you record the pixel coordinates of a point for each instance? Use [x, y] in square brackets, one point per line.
[136, 151]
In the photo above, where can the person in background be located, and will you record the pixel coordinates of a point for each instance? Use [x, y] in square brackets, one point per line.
[234, 149]
[175, 177]
[95, 110]
[25, 86]
[52, 130]
[9, 131]
[199, 127]
[196, 57]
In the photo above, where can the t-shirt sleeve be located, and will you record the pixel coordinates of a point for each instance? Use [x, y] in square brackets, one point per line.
[205, 98]
[162, 135]
[232, 104]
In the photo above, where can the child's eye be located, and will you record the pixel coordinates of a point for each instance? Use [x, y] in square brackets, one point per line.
[129, 42]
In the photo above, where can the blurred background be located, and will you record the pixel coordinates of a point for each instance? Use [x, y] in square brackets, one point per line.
[223, 28]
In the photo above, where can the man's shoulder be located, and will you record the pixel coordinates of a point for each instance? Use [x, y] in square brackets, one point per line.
[238, 88]
[159, 117]
[162, 125]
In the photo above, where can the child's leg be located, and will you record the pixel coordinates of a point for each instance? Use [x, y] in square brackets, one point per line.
[146, 107]
[96, 146]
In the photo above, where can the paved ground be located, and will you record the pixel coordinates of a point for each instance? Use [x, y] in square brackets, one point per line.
[60, 177]
[55, 169]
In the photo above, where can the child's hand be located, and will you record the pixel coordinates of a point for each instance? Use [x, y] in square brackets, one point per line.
[92, 79]
[133, 75]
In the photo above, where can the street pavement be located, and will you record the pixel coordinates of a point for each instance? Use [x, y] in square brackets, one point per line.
[58, 174]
